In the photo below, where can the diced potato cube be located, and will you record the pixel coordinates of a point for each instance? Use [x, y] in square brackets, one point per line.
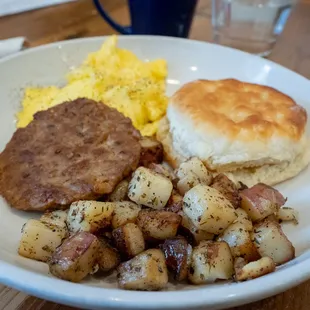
[194, 235]
[178, 254]
[196, 167]
[149, 188]
[108, 257]
[208, 209]
[55, 218]
[125, 212]
[211, 261]
[120, 192]
[175, 203]
[76, 257]
[247, 271]
[227, 188]
[129, 240]
[239, 240]
[287, 214]
[87, 215]
[243, 218]
[270, 241]
[40, 240]
[151, 151]
[158, 224]
[187, 182]
[261, 201]
[146, 272]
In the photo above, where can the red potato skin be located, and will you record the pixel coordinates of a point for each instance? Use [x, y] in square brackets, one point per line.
[227, 188]
[260, 190]
[176, 254]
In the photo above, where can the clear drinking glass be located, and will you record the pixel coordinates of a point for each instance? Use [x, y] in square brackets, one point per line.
[249, 25]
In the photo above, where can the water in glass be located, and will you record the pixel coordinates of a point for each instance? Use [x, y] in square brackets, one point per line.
[249, 25]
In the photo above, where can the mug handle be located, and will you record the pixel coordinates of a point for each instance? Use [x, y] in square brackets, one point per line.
[110, 21]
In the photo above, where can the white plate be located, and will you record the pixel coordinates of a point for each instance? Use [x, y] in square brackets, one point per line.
[188, 60]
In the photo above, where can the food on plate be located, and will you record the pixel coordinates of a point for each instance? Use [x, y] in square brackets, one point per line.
[252, 133]
[129, 240]
[55, 218]
[287, 214]
[158, 224]
[211, 261]
[120, 192]
[175, 202]
[114, 76]
[271, 241]
[260, 201]
[191, 173]
[227, 188]
[199, 237]
[178, 254]
[149, 188]
[78, 150]
[240, 242]
[108, 257]
[151, 151]
[124, 212]
[147, 272]
[76, 257]
[39, 240]
[89, 215]
[208, 209]
[192, 233]
[247, 271]
[244, 219]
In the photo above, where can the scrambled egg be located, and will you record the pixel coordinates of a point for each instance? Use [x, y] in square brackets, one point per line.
[114, 76]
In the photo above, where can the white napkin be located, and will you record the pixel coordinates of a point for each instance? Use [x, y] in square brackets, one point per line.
[11, 46]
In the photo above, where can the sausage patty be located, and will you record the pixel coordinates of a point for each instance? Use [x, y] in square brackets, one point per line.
[76, 150]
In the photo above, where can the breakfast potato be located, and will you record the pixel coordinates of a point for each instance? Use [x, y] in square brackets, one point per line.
[128, 240]
[149, 188]
[87, 215]
[151, 151]
[175, 202]
[146, 272]
[227, 188]
[208, 209]
[190, 231]
[287, 214]
[244, 219]
[76, 257]
[211, 261]
[120, 192]
[39, 240]
[247, 271]
[108, 257]
[158, 225]
[270, 241]
[195, 166]
[261, 201]
[164, 170]
[239, 240]
[178, 254]
[55, 218]
[124, 212]
[187, 182]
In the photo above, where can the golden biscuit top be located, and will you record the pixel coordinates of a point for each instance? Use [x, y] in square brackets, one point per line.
[239, 109]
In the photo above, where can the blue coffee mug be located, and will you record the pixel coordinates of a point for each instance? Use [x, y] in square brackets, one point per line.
[155, 17]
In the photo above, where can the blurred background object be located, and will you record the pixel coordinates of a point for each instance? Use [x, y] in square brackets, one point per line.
[8, 7]
[155, 17]
[250, 25]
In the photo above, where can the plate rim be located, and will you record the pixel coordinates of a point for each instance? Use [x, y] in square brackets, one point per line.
[65, 292]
